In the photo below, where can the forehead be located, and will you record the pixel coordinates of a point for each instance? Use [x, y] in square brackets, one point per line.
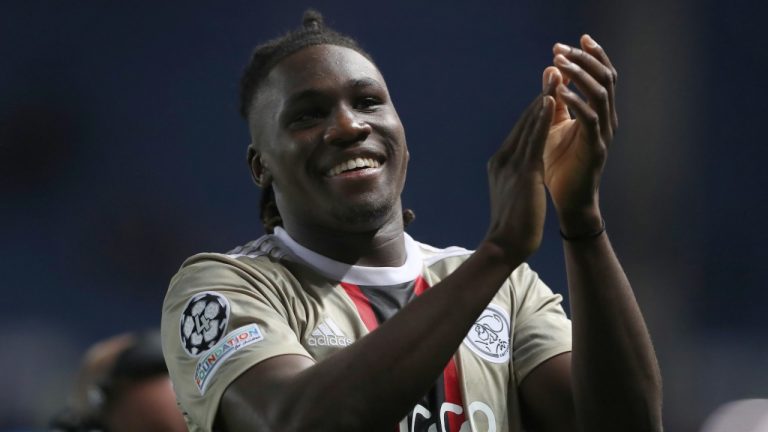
[318, 67]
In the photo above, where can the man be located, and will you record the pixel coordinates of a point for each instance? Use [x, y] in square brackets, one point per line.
[279, 334]
[123, 385]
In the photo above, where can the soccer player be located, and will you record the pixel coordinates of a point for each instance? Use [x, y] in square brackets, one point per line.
[337, 320]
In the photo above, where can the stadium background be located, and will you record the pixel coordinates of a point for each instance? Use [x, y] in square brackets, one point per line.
[121, 153]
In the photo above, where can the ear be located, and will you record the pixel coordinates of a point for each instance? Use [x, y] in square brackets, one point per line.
[259, 170]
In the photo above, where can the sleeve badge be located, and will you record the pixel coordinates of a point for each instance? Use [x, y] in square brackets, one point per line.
[203, 322]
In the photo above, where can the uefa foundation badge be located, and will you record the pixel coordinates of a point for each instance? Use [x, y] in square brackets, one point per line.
[237, 339]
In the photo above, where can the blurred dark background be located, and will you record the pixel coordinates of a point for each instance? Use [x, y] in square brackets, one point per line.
[122, 153]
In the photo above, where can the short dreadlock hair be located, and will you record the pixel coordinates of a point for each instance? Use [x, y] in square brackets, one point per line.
[312, 32]
[266, 56]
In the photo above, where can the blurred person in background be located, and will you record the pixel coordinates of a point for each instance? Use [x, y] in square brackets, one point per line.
[123, 386]
[744, 415]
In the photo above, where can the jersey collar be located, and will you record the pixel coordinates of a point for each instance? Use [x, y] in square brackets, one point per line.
[354, 274]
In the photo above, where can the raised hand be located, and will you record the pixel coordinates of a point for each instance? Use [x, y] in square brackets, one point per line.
[577, 148]
[516, 176]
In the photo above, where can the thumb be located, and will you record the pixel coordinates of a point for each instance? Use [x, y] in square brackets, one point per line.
[551, 78]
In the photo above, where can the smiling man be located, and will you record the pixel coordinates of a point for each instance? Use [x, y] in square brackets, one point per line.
[337, 320]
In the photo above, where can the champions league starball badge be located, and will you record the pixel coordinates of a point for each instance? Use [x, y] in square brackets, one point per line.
[203, 322]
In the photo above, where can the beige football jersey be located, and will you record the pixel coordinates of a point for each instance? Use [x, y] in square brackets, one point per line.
[224, 313]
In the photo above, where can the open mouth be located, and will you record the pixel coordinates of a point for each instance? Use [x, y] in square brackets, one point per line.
[354, 164]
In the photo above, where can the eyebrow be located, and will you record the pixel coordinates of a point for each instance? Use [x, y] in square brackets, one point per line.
[357, 83]
[363, 83]
[303, 95]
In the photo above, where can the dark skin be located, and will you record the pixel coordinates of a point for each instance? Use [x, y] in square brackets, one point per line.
[610, 382]
[320, 116]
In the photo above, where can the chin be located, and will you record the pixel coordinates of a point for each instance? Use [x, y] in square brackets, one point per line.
[364, 216]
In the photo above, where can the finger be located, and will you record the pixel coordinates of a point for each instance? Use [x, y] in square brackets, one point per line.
[584, 113]
[603, 73]
[510, 144]
[591, 46]
[595, 92]
[550, 79]
[561, 110]
[524, 138]
[538, 133]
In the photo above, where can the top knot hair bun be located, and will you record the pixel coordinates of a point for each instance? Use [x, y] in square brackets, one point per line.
[312, 20]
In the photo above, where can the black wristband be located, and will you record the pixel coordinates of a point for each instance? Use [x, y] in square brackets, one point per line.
[583, 237]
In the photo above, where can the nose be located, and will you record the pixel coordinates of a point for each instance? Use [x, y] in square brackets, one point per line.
[346, 128]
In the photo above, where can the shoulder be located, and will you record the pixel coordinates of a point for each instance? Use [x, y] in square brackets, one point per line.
[262, 261]
[451, 257]
[521, 285]
[442, 258]
[223, 313]
[257, 271]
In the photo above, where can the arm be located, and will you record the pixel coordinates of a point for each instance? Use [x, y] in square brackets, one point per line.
[614, 377]
[373, 383]
[611, 380]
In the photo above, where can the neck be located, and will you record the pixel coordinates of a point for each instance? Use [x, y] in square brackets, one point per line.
[379, 247]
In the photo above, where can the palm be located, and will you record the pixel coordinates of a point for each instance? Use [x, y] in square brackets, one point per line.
[569, 162]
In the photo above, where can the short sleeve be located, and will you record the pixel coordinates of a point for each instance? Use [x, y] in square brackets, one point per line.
[541, 330]
[219, 319]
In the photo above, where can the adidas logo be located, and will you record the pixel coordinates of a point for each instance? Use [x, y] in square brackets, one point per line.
[327, 333]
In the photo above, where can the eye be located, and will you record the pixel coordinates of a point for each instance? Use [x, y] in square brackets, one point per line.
[306, 117]
[367, 103]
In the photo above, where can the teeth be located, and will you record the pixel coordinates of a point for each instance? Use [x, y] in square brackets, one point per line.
[352, 164]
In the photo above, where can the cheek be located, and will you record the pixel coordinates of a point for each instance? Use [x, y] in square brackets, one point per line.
[301, 146]
[390, 128]
[290, 156]
[394, 123]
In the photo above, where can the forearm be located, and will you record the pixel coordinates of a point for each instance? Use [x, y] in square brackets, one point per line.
[378, 379]
[616, 380]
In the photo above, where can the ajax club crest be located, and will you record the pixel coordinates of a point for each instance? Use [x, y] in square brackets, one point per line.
[203, 322]
[489, 335]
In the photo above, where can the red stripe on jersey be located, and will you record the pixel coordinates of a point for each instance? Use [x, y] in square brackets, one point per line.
[420, 285]
[364, 309]
[450, 376]
[453, 395]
